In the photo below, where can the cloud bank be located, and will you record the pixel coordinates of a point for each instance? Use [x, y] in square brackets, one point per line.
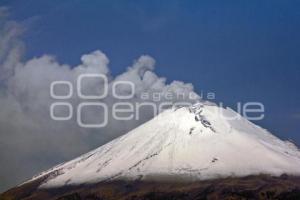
[30, 140]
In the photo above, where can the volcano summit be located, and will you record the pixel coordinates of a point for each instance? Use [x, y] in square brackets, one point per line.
[190, 146]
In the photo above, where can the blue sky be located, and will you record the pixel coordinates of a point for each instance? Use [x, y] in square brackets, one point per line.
[241, 50]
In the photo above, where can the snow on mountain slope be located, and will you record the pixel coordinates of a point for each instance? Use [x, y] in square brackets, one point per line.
[188, 143]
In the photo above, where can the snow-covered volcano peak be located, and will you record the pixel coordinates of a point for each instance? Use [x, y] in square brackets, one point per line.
[203, 141]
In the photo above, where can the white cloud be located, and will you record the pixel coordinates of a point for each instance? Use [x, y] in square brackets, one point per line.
[29, 137]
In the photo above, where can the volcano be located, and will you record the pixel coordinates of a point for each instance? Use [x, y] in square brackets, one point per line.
[198, 152]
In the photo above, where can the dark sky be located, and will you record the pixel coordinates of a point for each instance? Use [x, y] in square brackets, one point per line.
[241, 50]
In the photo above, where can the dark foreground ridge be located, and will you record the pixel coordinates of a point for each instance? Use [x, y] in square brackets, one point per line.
[251, 187]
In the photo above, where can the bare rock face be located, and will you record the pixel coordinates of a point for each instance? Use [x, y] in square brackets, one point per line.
[251, 187]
